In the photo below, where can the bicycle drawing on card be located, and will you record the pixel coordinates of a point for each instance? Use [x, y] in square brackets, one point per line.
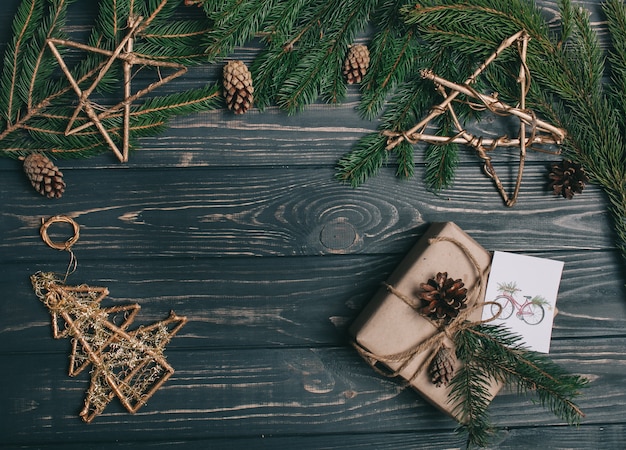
[531, 310]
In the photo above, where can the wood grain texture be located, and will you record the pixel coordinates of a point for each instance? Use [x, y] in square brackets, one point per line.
[238, 223]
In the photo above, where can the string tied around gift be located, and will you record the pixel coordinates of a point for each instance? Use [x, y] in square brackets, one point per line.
[437, 340]
[62, 246]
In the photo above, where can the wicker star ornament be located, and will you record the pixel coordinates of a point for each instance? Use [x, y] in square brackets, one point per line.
[122, 53]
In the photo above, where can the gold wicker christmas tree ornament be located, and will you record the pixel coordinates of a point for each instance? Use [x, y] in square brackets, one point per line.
[532, 131]
[356, 64]
[238, 89]
[123, 53]
[127, 364]
[45, 177]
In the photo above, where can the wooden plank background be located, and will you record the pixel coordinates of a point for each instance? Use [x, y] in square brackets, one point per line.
[237, 223]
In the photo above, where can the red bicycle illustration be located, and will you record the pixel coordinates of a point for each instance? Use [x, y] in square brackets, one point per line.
[531, 310]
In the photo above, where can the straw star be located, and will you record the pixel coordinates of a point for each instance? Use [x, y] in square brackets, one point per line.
[531, 131]
[124, 53]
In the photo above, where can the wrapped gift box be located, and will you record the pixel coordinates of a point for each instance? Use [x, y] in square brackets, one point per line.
[390, 326]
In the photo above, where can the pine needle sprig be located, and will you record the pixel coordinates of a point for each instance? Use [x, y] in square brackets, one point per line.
[339, 23]
[27, 20]
[470, 392]
[493, 352]
[175, 41]
[393, 56]
[441, 160]
[235, 23]
[364, 161]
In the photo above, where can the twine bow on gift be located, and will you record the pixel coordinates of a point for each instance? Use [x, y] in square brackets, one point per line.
[437, 340]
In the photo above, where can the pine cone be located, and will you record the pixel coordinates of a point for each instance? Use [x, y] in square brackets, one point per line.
[568, 178]
[45, 177]
[238, 87]
[356, 63]
[443, 297]
[441, 369]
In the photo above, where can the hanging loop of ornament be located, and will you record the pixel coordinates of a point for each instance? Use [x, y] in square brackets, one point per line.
[67, 245]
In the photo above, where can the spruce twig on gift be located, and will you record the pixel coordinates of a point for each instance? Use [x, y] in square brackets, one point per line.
[494, 352]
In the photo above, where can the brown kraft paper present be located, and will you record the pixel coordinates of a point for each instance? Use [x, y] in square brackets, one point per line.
[389, 330]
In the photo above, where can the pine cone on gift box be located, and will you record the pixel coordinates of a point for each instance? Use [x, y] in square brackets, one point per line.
[238, 89]
[442, 297]
[356, 63]
[568, 178]
[45, 177]
[441, 369]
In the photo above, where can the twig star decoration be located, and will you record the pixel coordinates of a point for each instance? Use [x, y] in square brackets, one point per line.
[127, 364]
[123, 52]
[532, 131]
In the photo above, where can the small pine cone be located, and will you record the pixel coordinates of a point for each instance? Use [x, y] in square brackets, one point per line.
[238, 87]
[442, 297]
[441, 369]
[568, 178]
[45, 177]
[356, 63]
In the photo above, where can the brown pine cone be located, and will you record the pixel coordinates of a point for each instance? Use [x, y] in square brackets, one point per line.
[441, 369]
[45, 177]
[238, 89]
[356, 63]
[568, 178]
[442, 297]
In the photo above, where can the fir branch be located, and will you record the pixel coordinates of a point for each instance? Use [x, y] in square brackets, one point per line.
[338, 21]
[493, 352]
[234, 23]
[393, 55]
[175, 41]
[365, 160]
[441, 160]
[25, 23]
[182, 103]
[470, 392]
[501, 354]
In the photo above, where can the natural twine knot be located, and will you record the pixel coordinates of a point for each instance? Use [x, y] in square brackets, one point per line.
[437, 340]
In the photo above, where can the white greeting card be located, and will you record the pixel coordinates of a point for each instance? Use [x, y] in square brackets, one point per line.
[526, 287]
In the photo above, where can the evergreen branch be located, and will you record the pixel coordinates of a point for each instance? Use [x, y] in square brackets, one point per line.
[39, 65]
[26, 21]
[470, 392]
[177, 41]
[393, 53]
[494, 353]
[404, 156]
[441, 160]
[364, 161]
[392, 58]
[42, 107]
[186, 102]
[234, 24]
[310, 77]
[499, 353]
[615, 12]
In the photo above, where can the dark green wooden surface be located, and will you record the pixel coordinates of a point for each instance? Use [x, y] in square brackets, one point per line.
[237, 223]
